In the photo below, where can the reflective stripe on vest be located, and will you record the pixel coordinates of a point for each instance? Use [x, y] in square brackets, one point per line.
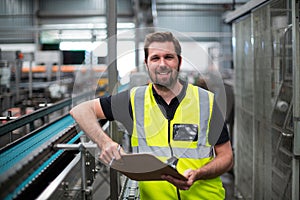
[203, 150]
[200, 152]
[139, 100]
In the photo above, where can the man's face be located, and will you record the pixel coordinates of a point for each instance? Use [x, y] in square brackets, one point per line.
[163, 64]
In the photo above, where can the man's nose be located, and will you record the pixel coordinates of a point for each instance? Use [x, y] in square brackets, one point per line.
[162, 62]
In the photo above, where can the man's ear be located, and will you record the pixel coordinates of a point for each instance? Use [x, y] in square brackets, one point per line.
[180, 62]
[145, 62]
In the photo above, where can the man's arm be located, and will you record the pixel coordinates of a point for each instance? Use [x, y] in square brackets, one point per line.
[222, 163]
[86, 115]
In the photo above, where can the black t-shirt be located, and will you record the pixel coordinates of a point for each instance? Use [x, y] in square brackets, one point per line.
[118, 107]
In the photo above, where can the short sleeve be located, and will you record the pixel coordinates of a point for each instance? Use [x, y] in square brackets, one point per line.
[105, 102]
[117, 107]
[218, 132]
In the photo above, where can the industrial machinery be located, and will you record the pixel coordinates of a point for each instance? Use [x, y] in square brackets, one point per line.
[266, 48]
[10, 76]
[54, 161]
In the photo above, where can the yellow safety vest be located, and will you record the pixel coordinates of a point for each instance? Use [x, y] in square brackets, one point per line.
[153, 133]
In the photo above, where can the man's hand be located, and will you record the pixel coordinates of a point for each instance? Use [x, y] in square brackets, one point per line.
[181, 184]
[111, 151]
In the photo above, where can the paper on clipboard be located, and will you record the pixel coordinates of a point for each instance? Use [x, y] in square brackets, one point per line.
[144, 167]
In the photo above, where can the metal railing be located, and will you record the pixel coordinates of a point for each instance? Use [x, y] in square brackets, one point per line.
[40, 114]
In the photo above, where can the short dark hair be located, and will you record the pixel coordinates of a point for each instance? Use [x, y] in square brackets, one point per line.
[161, 37]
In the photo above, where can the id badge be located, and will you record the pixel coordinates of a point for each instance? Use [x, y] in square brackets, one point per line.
[185, 132]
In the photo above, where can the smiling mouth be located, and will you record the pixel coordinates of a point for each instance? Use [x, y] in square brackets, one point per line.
[163, 73]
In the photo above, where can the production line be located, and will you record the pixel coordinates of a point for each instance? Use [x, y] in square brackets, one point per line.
[30, 162]
[51, 161]
[22, 162]
[32, 167]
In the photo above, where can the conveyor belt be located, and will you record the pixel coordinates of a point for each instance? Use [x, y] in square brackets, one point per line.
[130, 190]
[24, 153]
[15, 154]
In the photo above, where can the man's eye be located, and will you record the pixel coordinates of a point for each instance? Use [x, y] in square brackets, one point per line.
[154, 58]
[169, 57]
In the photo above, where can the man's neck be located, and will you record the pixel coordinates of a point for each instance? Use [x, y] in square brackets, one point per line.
[168, 93]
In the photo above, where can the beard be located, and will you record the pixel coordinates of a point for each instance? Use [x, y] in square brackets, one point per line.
[164, 83]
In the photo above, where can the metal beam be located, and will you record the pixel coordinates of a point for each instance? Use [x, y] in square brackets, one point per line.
[296, 97]
[112, 81]
[112, 44]
[199, 2]
[75, 13]
[243, 10]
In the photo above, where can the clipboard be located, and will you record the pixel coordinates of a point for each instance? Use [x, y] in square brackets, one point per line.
[144, 167]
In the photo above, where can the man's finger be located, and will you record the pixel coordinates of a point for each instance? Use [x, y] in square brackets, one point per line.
[182, 185]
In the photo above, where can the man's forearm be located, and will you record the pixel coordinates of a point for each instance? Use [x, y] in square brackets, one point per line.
[219, 165]
[85, 116]
[213, 169]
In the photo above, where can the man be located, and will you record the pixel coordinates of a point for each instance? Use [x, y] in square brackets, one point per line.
[169, 118]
